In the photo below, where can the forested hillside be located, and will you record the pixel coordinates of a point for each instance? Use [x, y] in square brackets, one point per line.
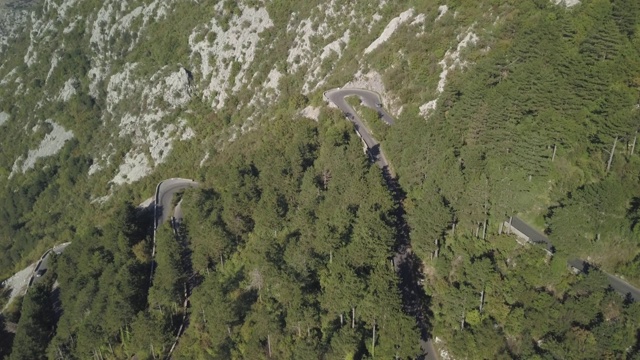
[525, 108]
[288, 239]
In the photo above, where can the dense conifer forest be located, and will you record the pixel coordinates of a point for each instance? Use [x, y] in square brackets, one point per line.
[286, 248]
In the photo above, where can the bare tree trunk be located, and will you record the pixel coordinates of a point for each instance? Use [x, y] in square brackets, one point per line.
[353, 317]
[373, 340]
[437, 252]
[341, 319]
[633, 144]
[269, 344]
[299, 331]
[484, 230]
[613, 150]
[462, 321]
[553, 157]
[481, 299]
[453, 229]
[500, 228]
[477, 230]
[222, 261]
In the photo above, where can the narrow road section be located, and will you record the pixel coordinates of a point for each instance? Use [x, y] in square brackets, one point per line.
[43, 265]
[532, 235]
[164, 195]
[413, 296]
[619, 285]
[371, 100]
[162, 204]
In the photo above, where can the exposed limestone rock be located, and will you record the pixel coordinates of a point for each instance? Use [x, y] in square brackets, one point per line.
[174, 89]
[135, 167]
[567, 3]
[236, 44]
[311, 112]
[49, 146]
[273, 79]
[389, 30]
[442, 9]
[450, 62]
[4, 117]
[68, 90]
[54, 62]
[121, 85]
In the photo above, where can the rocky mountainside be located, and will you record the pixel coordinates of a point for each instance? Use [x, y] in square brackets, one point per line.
[140, 69]
[502, 108]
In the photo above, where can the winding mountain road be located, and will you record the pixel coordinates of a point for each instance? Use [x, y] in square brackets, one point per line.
[162, 204]
[534, 236]
[403, 259]
[619, 285]
[371, 100]
[43, 264]
[164, 195]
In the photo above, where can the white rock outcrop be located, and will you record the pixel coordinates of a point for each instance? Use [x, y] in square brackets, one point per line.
[68, 90]
[567, 3]
[11, 22]
[311, 112]
[135, 167]
[235, 45]
[442, 10]
[391, 27]
[175, 89]
[333, 48]
[121, 85]
[273, 79]
[94, 168]
[18, 283]
[450, 62]
[54, 62]
[4, 117]
[300, 51]
[49, 146]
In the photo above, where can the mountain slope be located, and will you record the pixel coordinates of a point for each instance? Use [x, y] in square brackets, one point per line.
[503, 108]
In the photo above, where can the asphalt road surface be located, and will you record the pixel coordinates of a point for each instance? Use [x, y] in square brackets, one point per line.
[43, 265]
[401, 259]
[369, 99]
[164, 195]
[619, 285]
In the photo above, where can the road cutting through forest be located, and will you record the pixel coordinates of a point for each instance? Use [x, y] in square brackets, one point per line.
[406, 263]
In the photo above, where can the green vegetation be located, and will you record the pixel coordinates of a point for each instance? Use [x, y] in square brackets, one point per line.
[281, 247]
[36, 324]
[293, 239]
[285, 248]
[552, 80]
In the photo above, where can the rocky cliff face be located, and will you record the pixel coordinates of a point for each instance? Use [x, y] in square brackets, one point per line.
[132, 78]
